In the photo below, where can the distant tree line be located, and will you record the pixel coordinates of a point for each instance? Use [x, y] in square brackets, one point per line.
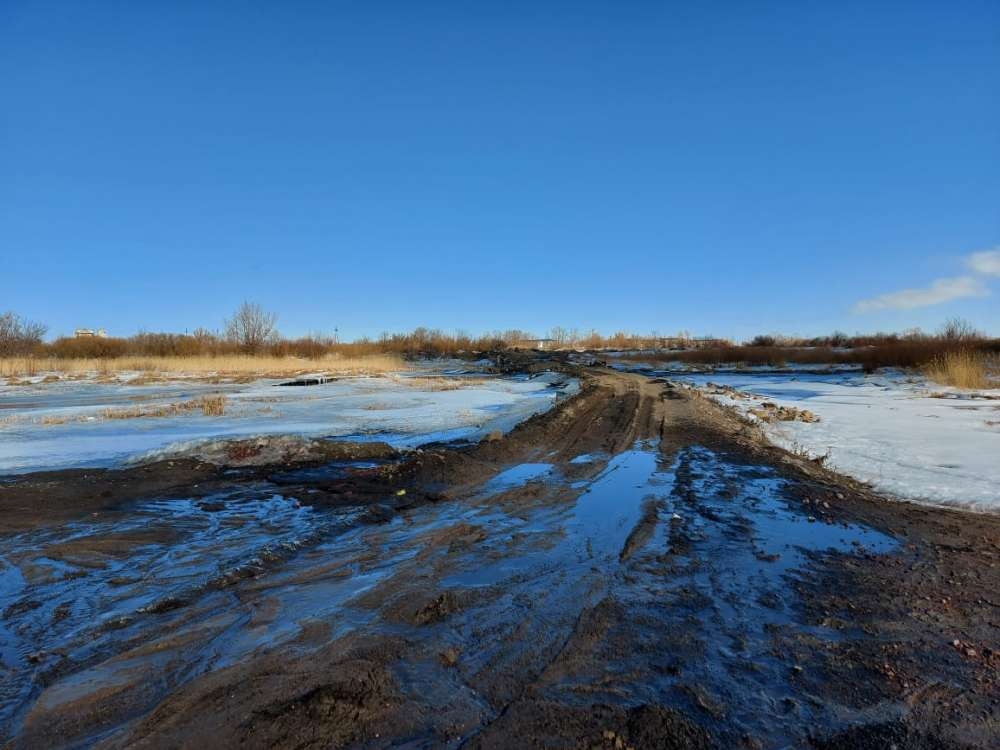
[253, 330]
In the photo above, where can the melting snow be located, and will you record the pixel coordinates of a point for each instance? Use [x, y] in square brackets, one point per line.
[887, 430]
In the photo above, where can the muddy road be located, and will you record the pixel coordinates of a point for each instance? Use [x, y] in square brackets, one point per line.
[634, 568]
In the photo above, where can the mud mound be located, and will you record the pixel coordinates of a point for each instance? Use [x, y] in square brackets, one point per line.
[886, 735]
[272, 450]
[346, 709]
[556, 725]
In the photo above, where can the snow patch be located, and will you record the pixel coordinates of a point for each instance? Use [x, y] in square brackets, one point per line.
[899, 433]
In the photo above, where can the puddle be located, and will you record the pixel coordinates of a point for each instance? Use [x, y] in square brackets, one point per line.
[329, 471]
[589, 458]
[517, 476]
[666, 581]
[735, 546]
[592, 530]
[699, 558]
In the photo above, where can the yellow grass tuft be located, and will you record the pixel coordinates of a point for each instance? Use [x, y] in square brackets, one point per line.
[961, 369]
[211, 406]
[234, 365]
[438, 383]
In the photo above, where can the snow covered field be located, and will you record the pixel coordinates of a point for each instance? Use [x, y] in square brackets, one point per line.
[66, 424]
[903, 435]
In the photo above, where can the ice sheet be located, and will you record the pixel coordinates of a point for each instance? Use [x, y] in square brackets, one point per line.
[61, 425]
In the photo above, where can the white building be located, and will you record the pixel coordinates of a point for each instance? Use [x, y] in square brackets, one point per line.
[90, 333]
[535, 344]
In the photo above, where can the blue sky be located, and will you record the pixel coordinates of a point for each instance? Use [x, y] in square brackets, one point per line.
[727, 168]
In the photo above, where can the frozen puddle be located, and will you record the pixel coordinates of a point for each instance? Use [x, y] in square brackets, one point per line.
[517, 476]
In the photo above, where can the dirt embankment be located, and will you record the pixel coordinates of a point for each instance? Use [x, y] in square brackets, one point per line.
[512, 616]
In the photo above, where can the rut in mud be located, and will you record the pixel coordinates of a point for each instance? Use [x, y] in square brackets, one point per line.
[629, 569]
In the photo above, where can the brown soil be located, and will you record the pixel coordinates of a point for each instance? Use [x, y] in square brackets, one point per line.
[609, 655]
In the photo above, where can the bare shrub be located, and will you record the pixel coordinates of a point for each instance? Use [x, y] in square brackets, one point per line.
[251, 327]
[93, 347]
[959, 329]
[899, 353]
[19, 335]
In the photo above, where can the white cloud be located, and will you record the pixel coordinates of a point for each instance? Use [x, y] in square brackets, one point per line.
[942, 290]
[986, 262]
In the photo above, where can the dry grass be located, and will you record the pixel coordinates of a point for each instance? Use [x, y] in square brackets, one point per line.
[213, 406]
[237, 365]
[438, 383]
[210, 406]
[962, 369]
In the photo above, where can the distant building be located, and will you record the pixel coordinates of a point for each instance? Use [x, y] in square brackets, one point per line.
[90, 333]
[534, 344]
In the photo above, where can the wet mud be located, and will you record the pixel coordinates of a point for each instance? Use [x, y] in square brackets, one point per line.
[633, 568]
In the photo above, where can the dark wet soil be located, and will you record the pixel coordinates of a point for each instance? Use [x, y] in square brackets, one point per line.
[634, 568]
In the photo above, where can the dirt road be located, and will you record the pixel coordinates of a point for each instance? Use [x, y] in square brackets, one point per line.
[634, 568]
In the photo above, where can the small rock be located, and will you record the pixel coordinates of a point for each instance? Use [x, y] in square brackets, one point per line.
[379, 513]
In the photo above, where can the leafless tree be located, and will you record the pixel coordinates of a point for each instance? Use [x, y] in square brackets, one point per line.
[18, 335]
[959, 329]
[514, 335]
[251, 327]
